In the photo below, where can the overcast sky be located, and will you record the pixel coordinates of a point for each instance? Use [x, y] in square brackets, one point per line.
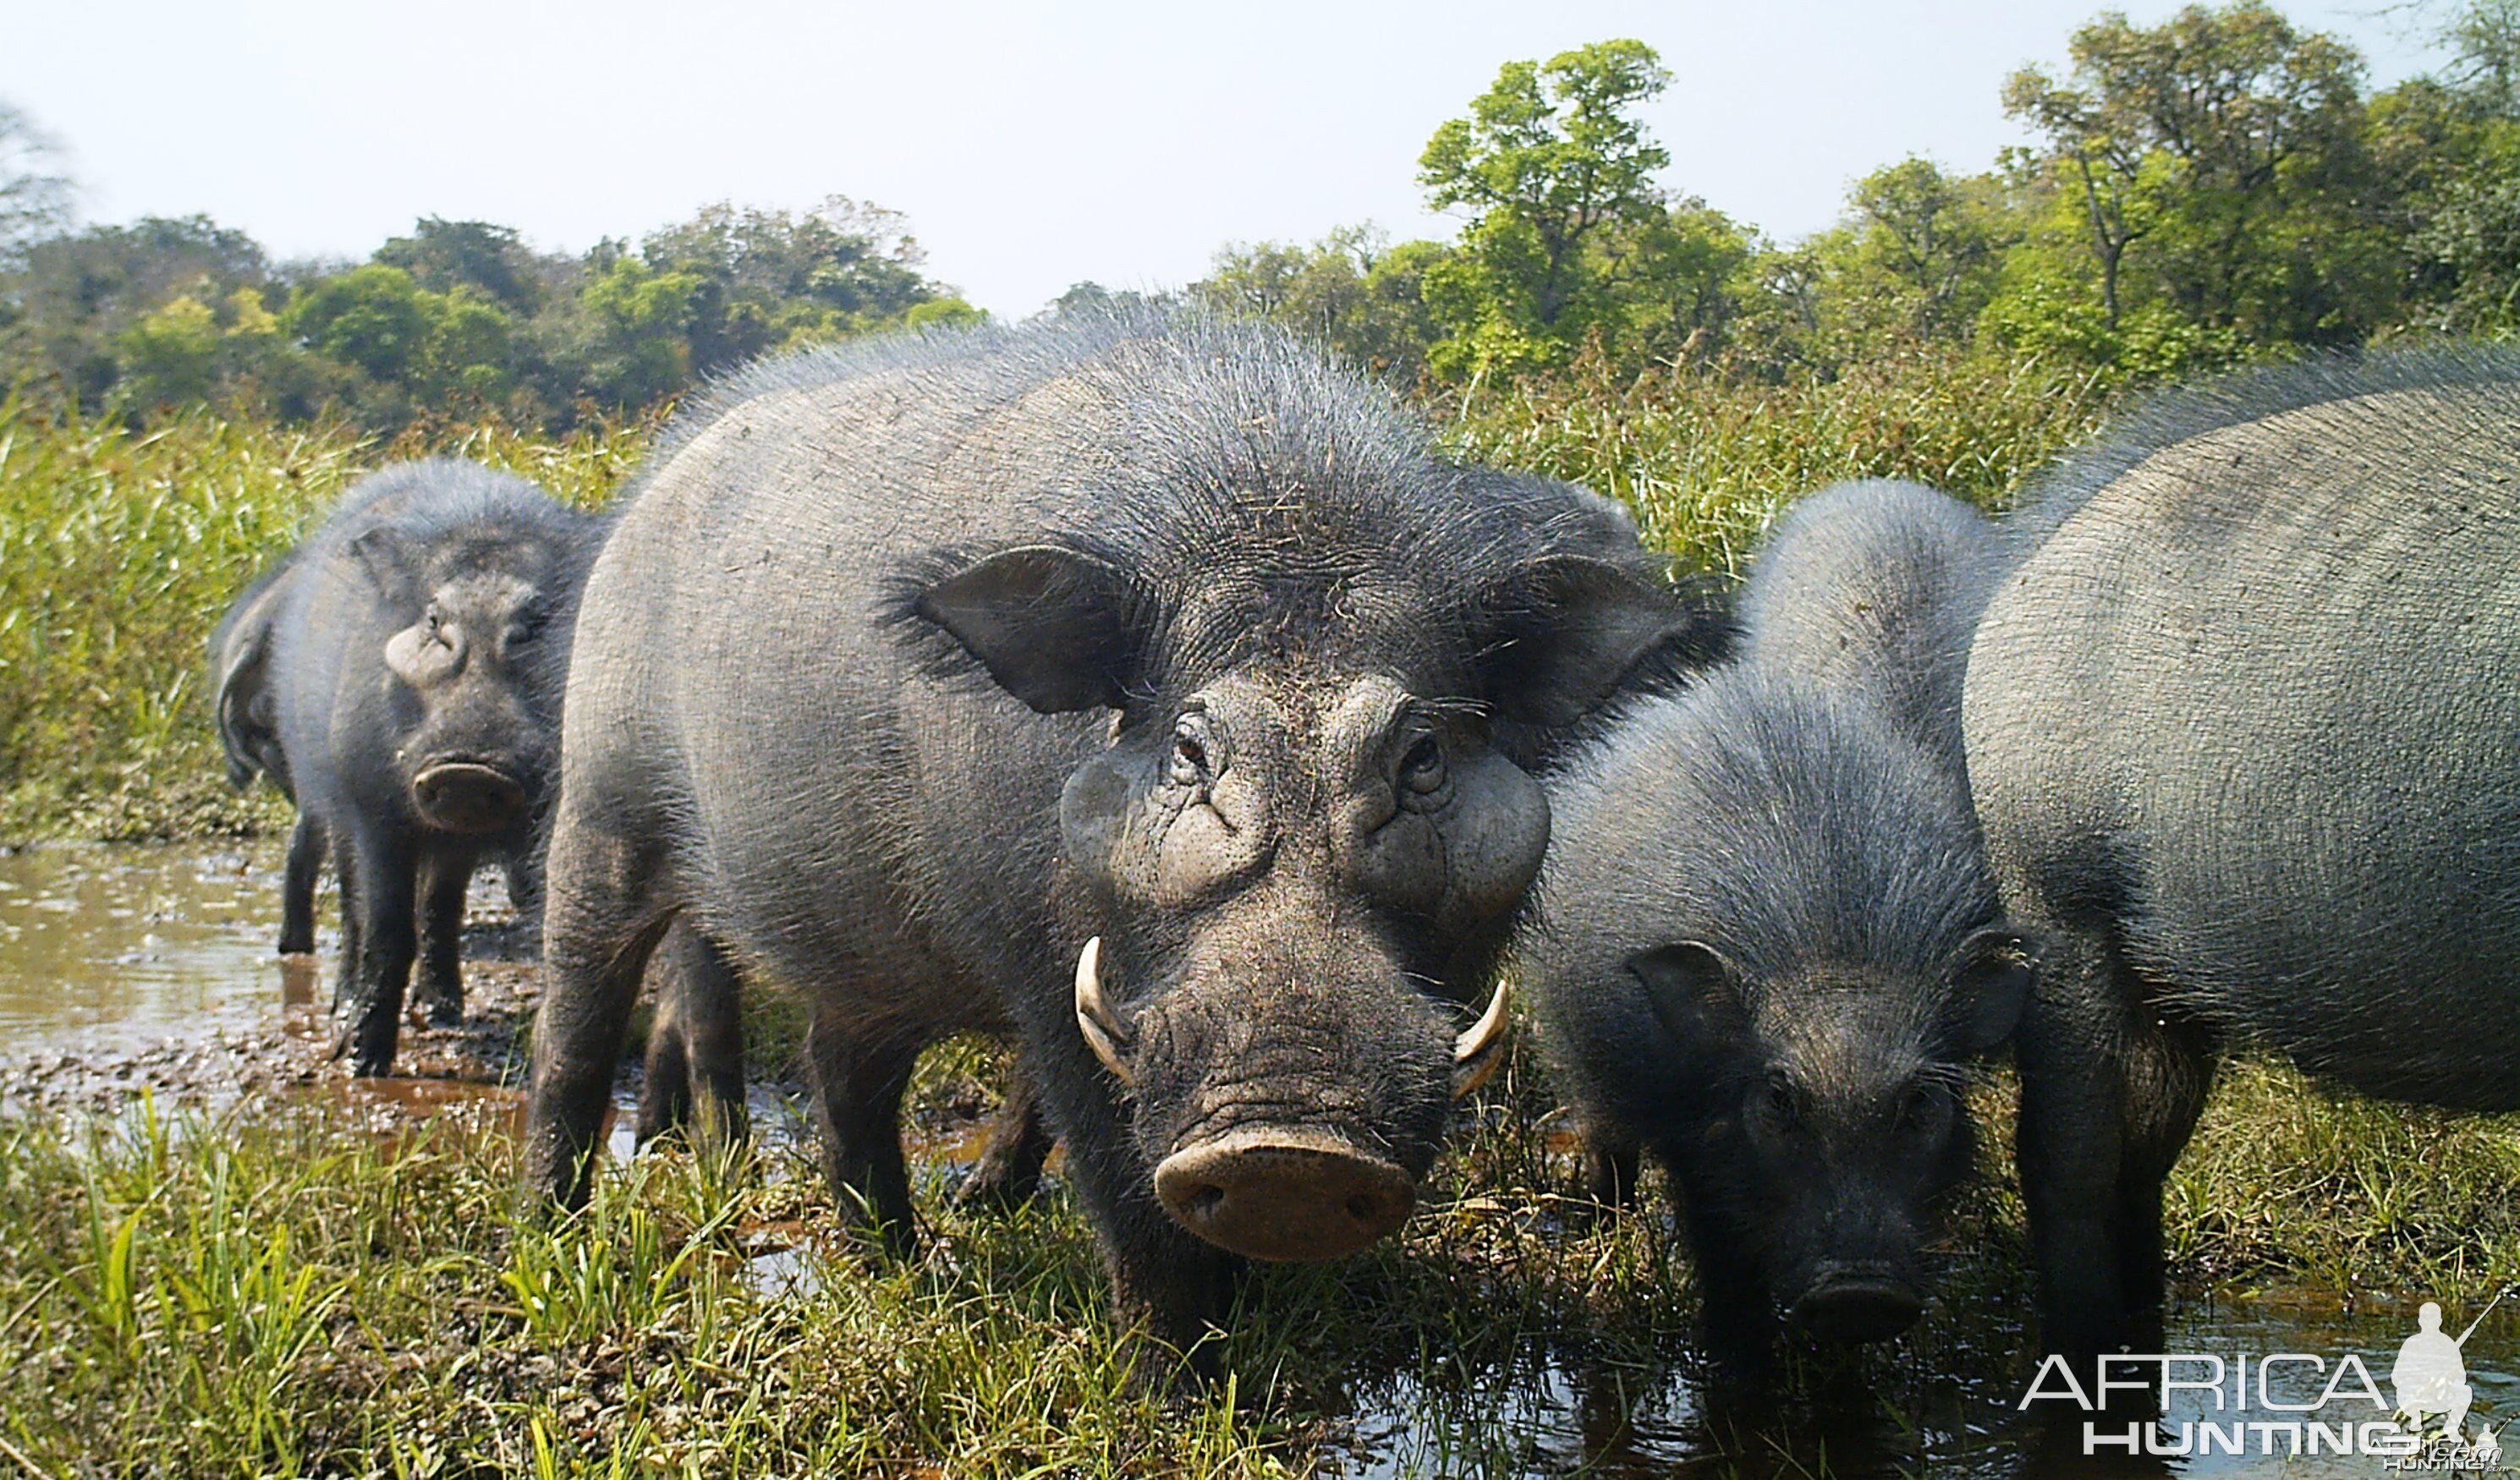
[1032, 146]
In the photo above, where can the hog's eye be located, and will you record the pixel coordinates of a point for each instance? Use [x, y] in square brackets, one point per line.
[435, 620]
[1421, 769]
[523, 630]
[1191, 765]
[1922, 1110]
[1778, 1098]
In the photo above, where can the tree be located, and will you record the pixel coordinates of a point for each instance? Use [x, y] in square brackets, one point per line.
[171, 355]
[34, 198]
[631, 345]
[1926, 245]
[1351, 290]
[74, 295]
[1548, 161]
[2222, 153]
[767, 279]
[494, 261]
[375, 318]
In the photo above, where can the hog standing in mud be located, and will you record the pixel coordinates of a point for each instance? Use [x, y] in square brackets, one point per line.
[400, 677]
[2241, 732]
[1143, 686]
[1765, 948]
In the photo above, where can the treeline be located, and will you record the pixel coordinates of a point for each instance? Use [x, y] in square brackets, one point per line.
[457, 322]
[2216, 188]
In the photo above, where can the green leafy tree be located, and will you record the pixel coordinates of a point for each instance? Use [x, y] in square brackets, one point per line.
[1351, 290]
[631, 343]
[1676, 286]
[171, 355]
[74, 296]
[2216, 169]
[468, 353]
[1926, 248]
[374, 317]
[443, 257]
[1550, 160]
[762, 280]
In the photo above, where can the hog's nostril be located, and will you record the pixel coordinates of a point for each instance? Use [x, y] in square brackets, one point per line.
[1852, 1311]
[466, 797]
[1285, 1193]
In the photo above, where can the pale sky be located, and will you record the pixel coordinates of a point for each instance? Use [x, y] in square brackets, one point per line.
[1032, 147]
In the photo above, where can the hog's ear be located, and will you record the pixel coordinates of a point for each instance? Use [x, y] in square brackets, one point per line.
[1695, 990]
[1991, 986]
[392, 559]
[1571, 628]
[1051, 625]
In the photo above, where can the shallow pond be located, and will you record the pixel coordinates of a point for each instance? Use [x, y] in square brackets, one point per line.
[1553, 1415]
[103, 944]
[100, 941]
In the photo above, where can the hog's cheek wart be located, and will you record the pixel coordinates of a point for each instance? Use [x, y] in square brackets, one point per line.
[1113, 829]
[1198, 853]
[1405, 862]
[1496, 834]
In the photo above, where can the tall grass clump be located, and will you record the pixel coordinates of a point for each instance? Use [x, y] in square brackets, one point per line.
[272, 1291]
[1708, 459]
[119, 550]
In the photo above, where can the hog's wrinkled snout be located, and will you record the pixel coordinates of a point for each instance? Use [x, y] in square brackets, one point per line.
[1848, 1306]
[1285, 1193]
[468, 796]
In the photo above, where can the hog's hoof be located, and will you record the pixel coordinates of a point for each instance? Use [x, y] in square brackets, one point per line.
[997, 1189]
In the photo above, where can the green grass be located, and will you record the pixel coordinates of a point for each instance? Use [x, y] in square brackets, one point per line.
[118, 552]
[1707, 461]
[271, 1293]
[274, 1293]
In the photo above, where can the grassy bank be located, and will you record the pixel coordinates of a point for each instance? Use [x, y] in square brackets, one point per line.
[1707, 464]
[118, 552]
[275, 1295]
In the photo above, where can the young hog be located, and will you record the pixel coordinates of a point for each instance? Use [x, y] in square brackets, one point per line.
[1873, 587]
[1145, 686]
[1765, 950]
[400, 677]
[2241, 733]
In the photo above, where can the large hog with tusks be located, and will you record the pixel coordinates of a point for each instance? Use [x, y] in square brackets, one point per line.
[1145, 686]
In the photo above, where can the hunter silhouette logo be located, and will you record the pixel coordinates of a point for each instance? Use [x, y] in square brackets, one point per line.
[2430, 1376]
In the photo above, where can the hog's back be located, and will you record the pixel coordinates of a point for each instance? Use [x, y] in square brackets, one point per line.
[1873, 587]
[2255, 703]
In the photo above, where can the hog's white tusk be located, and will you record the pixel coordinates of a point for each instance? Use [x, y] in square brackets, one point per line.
[1479, 1049]
[1094, 1016]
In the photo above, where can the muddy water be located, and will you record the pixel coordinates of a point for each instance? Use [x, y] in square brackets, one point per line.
[1555, 1414]
[100, 942]
[111, 945]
